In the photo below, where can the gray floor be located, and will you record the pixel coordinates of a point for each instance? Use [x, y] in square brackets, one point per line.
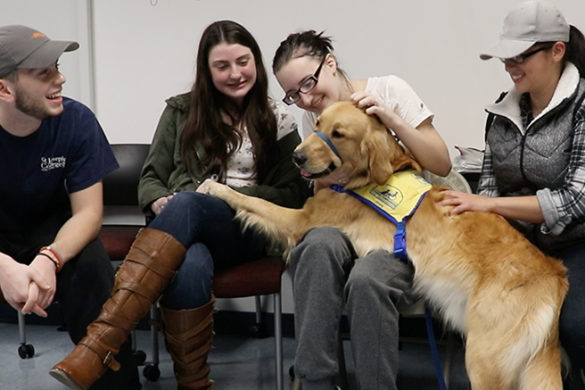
[237, 362]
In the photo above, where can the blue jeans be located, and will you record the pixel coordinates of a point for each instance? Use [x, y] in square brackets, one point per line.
[572, 320]
[205, 225]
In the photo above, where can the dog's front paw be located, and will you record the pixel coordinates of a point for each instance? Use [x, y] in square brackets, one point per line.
[210, 187]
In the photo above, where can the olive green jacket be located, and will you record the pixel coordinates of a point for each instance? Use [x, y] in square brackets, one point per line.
[164, 171]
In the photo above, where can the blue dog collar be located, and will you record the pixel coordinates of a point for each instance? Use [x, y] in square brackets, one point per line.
[329, 143]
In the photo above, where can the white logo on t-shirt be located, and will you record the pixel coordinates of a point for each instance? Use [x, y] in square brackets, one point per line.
[49, 163]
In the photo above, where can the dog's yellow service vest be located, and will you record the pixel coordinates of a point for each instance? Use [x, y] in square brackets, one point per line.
[396, 200]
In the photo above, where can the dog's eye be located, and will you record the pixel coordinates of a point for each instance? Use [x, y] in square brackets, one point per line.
[336, 134]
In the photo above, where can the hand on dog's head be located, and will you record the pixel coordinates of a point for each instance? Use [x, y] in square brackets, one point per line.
[365, 147]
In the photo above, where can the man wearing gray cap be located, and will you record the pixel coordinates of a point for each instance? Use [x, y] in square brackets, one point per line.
[53, 156]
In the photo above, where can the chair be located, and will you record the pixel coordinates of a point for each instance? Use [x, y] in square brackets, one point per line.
[122, 215]
[255, 278]
[259, 277]
[25, 350]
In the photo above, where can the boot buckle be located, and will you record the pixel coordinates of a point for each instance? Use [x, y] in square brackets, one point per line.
[110, 362]
[108, 359]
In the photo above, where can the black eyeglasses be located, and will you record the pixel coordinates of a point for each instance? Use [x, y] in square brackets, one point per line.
[520, 58]
[307, 85]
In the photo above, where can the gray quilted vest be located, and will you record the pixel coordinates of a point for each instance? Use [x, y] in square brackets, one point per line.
[525, 163]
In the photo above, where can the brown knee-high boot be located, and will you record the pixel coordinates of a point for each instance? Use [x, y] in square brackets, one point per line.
[188, 336]
[140, 280]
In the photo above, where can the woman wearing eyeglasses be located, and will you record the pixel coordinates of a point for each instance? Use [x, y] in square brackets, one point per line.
[534, 164]
[326, 274]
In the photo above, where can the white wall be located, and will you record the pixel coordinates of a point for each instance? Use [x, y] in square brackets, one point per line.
[62, 20]
[145, 52]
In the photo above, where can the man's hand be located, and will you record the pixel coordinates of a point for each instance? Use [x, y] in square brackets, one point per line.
[21, 285]
[45, 268]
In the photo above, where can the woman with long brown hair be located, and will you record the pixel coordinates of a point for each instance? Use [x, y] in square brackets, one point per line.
[227, 129]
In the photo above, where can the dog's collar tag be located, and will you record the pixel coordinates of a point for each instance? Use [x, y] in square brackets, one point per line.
[396, 200]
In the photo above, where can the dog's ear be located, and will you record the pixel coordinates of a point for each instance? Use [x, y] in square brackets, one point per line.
[379, 153]
[386, 155]
[405, 160]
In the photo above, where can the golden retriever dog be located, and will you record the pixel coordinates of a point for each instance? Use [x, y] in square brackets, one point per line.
[481, 275]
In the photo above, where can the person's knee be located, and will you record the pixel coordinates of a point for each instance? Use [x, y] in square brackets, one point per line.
[92, 266]
[184, 200]
[379, 274]
[319, 244]
[192, 284]
[320, 235]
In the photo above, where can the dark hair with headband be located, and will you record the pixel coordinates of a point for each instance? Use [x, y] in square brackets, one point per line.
[307, 43]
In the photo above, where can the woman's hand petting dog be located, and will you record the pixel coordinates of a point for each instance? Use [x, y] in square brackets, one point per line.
[374, 106]
[462, 201]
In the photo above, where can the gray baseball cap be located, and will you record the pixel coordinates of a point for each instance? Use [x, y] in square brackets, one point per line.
[24, 47]
[529, 22]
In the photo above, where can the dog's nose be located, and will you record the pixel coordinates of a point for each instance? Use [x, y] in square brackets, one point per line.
[299, 158]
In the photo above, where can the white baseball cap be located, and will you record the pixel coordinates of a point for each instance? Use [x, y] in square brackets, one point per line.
[529, 22]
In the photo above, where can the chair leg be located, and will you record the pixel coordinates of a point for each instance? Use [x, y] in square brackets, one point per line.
[25, 350]
[151, 371]
[154, 334]
[258, 310]
[21, 330]
[341, 361]
[278, 340]
[258, 329]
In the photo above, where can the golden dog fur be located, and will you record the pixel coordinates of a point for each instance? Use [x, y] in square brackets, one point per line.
[483, 277]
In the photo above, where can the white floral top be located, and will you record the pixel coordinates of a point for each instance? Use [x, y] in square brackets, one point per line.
[240, 167]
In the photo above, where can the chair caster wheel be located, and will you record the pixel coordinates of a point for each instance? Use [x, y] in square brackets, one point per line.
[258, 331]
[151, 372]
[139, 357]
[26, 351]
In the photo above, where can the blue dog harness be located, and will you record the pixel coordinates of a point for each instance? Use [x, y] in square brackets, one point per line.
[396, 200]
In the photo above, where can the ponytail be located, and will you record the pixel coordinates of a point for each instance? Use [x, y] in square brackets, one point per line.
[576, 50]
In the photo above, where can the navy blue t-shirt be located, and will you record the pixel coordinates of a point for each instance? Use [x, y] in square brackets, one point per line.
[68, 153]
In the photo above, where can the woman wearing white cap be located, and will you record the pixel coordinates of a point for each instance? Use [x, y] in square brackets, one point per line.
[534, 166]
